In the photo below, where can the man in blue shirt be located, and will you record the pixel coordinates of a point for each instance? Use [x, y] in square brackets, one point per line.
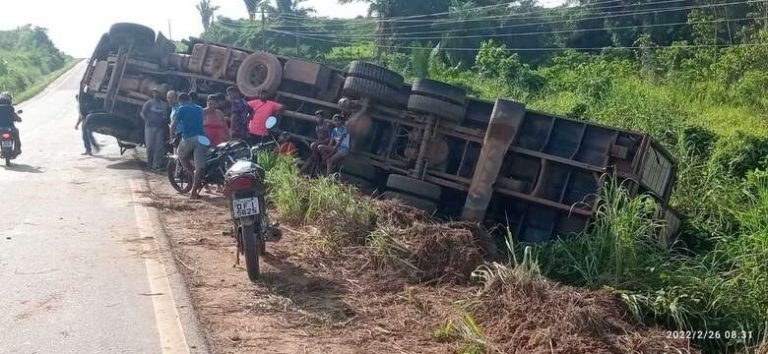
[189, 121]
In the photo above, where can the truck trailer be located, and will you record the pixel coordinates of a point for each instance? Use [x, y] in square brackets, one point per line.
[426, 143]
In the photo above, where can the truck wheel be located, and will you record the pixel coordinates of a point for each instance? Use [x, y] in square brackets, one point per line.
[416, 202]
[363, 185]
[376, 73]
[124, 32]
[259, 72]
[107, 124]
[359, 167]
[414, 186]
[357, 87]
[440, 90]
[102, 48]
[441, 108]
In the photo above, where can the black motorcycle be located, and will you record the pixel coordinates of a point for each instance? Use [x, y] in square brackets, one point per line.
[219, 159]
[8, 143]
[244, 188]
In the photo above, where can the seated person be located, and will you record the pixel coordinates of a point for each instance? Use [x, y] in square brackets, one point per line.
[338, 148]
[323, 130]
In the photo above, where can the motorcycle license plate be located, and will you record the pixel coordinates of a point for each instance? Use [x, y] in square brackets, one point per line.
[6, 143]
[246, 207]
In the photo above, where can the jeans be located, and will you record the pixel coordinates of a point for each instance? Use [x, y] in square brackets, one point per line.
[154, 140]
[88, 140]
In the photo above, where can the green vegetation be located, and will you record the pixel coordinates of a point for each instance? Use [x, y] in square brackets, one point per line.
[693, 74]
[28, 61]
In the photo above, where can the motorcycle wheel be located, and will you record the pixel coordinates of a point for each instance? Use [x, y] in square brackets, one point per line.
[251, 244]
[180, 181]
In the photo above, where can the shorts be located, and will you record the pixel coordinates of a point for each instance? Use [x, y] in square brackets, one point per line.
[192, 147]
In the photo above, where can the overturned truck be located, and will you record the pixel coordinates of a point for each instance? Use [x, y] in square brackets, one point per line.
[427, 143]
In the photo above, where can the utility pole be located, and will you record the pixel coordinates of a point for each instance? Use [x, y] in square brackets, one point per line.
[170, 34]
[263, 30]
[296, 33]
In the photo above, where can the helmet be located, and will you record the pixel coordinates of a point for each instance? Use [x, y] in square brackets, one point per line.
[6, 98]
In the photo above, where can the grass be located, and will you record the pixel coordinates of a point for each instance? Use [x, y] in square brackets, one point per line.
[43, 82]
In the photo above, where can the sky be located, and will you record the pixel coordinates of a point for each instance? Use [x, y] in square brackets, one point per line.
[76, 25]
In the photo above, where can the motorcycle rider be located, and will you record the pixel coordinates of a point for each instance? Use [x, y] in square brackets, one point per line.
[8, 117]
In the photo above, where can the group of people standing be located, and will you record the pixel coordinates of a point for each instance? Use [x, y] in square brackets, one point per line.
[225, 117]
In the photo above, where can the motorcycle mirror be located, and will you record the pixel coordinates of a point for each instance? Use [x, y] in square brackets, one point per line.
[20, 111]
[271, 122]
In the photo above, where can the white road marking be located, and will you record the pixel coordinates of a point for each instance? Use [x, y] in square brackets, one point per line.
[172, 336]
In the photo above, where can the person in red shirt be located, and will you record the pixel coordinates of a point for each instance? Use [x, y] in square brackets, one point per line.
[262, 108]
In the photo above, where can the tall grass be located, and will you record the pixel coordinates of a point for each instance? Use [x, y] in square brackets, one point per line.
[345, 218]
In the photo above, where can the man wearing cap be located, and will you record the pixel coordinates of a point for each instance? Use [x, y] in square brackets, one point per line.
[155, 116]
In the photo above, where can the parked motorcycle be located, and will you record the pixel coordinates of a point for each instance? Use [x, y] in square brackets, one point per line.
[245, 191]
[218, 161]
[8, 143]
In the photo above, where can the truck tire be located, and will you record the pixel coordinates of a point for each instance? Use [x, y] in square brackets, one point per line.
[102, 48]
[416, 202]
[107, 124]
[251, 78]
[357, 87]
[414, 187]
[440, 90]
[376, 73]
[359, 167]
[363, 185]
[430, 105]
[124, 32]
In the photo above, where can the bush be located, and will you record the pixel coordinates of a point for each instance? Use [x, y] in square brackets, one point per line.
[741, 153]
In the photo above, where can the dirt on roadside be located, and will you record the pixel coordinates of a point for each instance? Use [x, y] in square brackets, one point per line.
[346, 303]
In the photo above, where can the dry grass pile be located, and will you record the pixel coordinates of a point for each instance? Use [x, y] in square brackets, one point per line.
[525, 313]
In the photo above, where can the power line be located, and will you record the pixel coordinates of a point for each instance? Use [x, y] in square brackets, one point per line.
[496, 27]
[501, 35]
[606, 15]
[405, 35]
[576, 8]
[443, 21]
[556, 49]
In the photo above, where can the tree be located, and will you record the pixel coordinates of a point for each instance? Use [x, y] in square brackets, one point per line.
[206, 10]
[253, 6]
[290, 9]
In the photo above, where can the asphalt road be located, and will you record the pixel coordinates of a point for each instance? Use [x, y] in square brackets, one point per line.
[79, 262]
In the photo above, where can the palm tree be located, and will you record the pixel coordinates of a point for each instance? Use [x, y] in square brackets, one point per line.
[253, 6]
[291, 8]
[207, 10]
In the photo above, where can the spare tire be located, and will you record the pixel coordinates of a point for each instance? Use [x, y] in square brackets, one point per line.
[376, 73]
[414, 187]
[141, 36]
[416, 202]
[440, 90]
[438, 107]
[357, 87]
[108, 124]
[259, 72]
